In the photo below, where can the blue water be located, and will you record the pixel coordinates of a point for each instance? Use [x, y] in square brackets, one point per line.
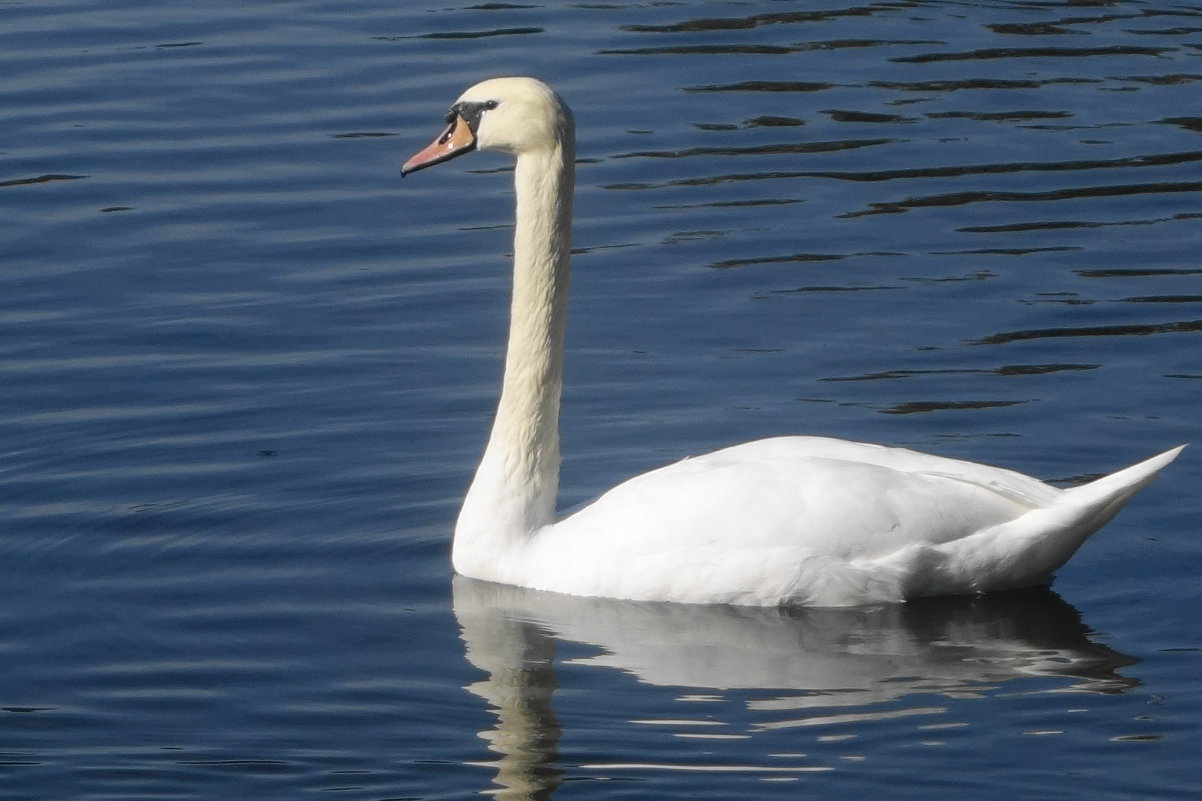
[246, 372]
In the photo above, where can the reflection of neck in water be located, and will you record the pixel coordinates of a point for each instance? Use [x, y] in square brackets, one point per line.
[824, 658]
[517, 657]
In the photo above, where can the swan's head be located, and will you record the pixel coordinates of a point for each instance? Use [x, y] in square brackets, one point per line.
[513, 115]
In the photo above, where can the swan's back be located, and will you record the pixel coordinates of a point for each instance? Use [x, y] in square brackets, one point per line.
[812, 520]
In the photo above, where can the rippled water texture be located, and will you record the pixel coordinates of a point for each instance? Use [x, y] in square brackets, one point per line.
[246, 372]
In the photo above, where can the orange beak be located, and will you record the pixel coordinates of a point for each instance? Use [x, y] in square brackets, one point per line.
[455, 140]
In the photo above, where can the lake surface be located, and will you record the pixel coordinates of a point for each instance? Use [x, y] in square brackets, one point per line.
[246, 373]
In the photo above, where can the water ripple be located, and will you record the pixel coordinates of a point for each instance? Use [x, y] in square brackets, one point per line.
[1005, 338]
[1033, 52]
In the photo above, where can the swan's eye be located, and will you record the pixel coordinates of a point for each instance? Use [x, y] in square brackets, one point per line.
[471, 111]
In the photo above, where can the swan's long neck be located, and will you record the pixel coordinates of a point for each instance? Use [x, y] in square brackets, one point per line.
[513, 493]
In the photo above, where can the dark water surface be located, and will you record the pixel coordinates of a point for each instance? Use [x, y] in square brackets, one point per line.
[246, 372]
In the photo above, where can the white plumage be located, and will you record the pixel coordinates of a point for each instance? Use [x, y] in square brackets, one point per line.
[788, 520]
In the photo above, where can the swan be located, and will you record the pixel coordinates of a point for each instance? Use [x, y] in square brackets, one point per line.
[793, 520]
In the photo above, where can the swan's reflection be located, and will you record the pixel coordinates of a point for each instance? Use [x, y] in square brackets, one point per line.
[821, 663]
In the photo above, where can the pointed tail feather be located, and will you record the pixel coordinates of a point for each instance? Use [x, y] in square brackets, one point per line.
[1083, 510]
[1027, 550]
[1101, 499]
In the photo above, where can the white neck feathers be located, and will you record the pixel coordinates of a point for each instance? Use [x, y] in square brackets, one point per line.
[513, 493]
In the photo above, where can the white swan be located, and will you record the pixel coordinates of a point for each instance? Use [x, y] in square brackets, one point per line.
[788, 520]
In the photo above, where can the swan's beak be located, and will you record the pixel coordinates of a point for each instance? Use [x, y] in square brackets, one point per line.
[456, 140]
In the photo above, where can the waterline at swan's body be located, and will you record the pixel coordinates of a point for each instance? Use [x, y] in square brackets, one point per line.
[802, 520]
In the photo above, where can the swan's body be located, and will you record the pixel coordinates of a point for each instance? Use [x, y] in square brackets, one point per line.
[789, 520]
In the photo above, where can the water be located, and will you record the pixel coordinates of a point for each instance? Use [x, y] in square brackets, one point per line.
[246, 373]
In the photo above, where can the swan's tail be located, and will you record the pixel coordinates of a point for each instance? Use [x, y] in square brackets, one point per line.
[1027, 550]
[1055, 533]
[1101, 499]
